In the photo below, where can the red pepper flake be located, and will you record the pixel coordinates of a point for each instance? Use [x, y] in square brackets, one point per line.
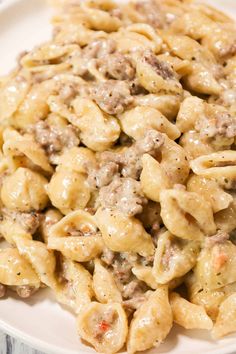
[104, 326]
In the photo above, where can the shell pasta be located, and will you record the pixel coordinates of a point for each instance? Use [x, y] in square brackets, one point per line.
[118, 170]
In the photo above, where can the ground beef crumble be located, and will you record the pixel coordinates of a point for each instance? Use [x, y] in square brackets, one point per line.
[107, 256]
[116, 66]
[160, 67]
[134, 303]
[129, 161]
[121, 264]
[54, 139]
[103, 175]
[223, 125]
[116, 175]
[220, 237]
[112, 96]
[99, 48]
[226, 125]
[29, 221]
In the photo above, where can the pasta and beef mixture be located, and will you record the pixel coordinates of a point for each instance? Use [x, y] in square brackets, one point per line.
[118, 170]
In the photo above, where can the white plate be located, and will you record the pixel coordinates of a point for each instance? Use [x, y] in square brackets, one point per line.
[40, 321]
